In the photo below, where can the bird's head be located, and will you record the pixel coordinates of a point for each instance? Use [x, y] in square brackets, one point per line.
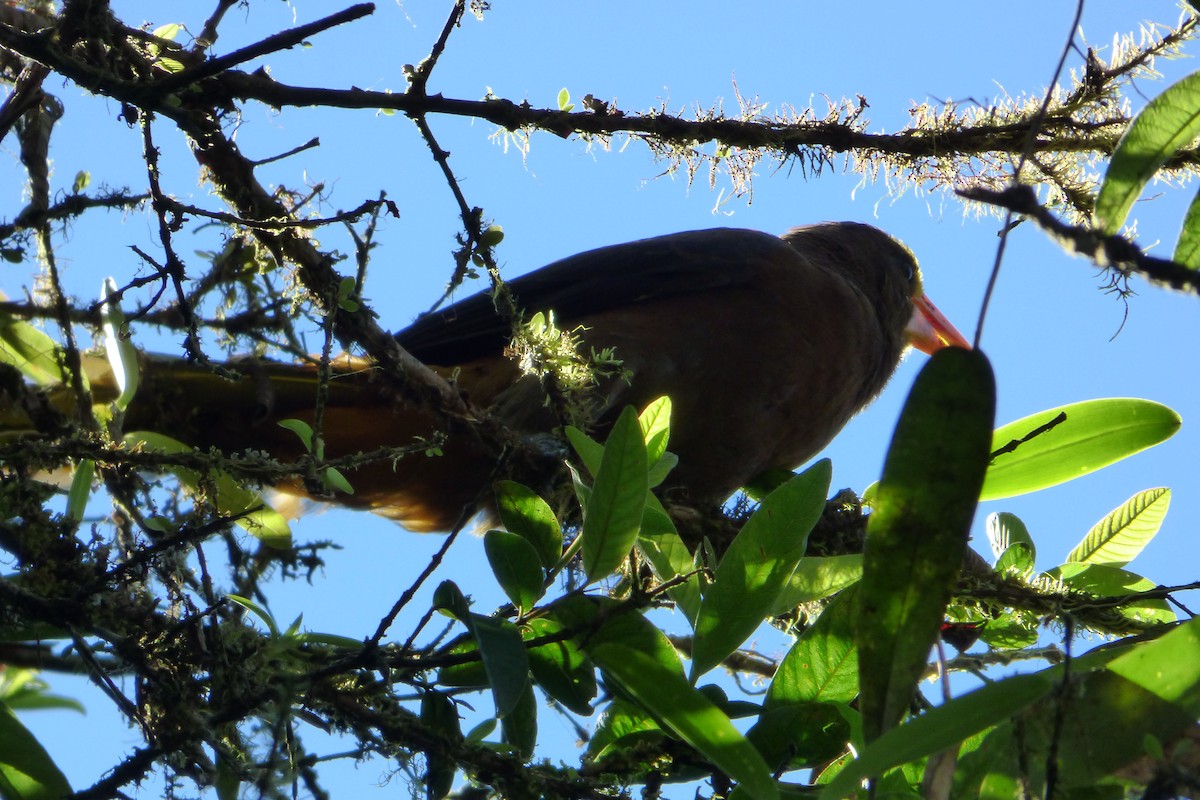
[888, 275]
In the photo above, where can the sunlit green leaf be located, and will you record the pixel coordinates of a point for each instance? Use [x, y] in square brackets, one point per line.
[1091, 435]
[1004, 530]
[756, 566]
[32, 352]
[1169, 122]
[1120, 536]
[122, 355]
[822, 665]
[614, 512]
[1187, 249]
[1102, 580]
[818, 577]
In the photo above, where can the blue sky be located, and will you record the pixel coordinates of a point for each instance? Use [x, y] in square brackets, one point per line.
[1052, 335]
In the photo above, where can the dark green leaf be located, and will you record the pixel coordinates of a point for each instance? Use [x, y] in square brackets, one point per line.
[440, 715]
[560, 668]
[517, 567]
[519, 728]
[688, 714]
[595, 621]
[26, 770]
[1094, 434]
[621, 723]
[799, 736]
[918, 532]
[614, 513]
[505, 660]
[756, 566]
[941, 728]
[1167, 123]
[32, 352]
[526, 514]
[588, 449]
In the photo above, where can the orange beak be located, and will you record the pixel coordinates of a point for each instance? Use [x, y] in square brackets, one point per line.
[929, 330]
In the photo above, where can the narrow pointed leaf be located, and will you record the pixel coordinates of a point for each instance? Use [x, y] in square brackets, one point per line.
[689, 714]
[519, 727]
[757, 565]
[918, 533]
[660, 544]
[614, 511]
[1120, 536]
[1091, 435]
[1167, 123]
[941, 728]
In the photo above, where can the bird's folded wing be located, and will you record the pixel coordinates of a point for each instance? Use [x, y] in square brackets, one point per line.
[618, 276]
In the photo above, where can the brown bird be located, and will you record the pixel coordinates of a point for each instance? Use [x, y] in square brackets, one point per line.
[766, 345]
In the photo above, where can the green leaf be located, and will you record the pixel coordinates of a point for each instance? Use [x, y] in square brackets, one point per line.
[505, 660]
[168, 31]
[588, 449]
[83, 179]
[561, 668]
[941, 728]
[440, 715]
[614, 513]
[516, 566]
[302, 430]
[596, 621]
[1120, 536]
[1167, 123]
[122, 355]
[623, 725]
[668, 557]
[822, 665]
[919, 529]
[337, 481]
[1092, 435]
[1004, 530]
[32, 352]
[519, 728]
[81, 488]
[1102, 580]
[491, 237]
[26, 770]
[818, 577]
[688, 714]
[759, 561]
[801, 735]
[1187, 250]
[655, 422]
[345, 295]
[527, 515]
[230, 497]
[564, 100]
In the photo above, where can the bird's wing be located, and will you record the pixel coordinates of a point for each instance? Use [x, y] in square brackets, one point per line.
[589, 283]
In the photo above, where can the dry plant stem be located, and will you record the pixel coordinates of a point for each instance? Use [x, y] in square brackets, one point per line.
[1035, 126]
